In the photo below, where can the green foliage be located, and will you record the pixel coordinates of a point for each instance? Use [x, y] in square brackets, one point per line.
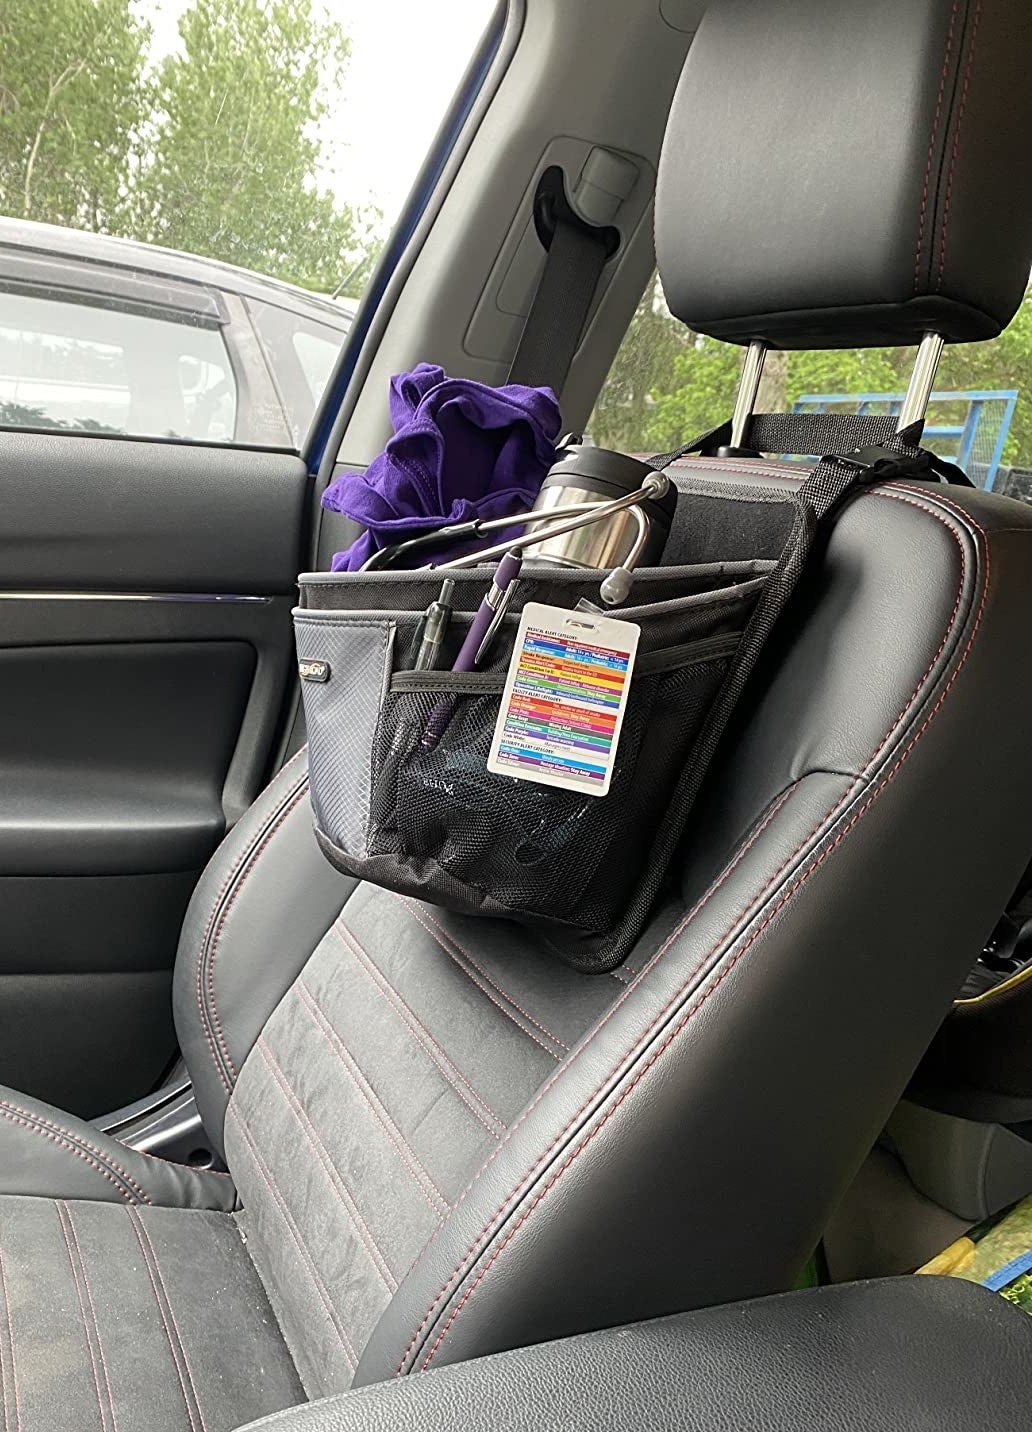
[233, 145]
[667, 385]
[702, 382]
[1004, 362]
[844, 370]
[215, 154]
[640, 369]
[72, 94]
[28, 415]
[1020, 1292]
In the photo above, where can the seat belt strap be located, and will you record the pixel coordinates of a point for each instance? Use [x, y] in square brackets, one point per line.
[566, 289]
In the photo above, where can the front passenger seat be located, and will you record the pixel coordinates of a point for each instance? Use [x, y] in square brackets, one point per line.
[441, 1142]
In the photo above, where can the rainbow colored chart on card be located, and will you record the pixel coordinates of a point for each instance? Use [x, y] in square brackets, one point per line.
[564, 699]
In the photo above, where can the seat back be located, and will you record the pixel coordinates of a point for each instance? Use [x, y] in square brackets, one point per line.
[445, 1142]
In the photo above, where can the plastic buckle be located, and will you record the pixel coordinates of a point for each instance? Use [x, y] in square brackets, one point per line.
[879, 463]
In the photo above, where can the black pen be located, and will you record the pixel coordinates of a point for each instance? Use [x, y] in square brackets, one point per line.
[435, 624]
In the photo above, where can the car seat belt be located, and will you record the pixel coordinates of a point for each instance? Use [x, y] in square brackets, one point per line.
[565, 291]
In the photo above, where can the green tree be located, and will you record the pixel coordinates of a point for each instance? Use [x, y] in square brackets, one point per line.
[71, 96]
[667, 385]
[641, 369]
[233, 148]
[844, 370]
[700, 393]
[1004, 362]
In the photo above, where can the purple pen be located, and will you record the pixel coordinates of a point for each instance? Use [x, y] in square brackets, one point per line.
[478, 638]
[491, 609]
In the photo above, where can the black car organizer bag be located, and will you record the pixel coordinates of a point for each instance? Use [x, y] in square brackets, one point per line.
[429, 820]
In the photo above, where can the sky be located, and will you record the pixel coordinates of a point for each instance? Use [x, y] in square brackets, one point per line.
[406, 62]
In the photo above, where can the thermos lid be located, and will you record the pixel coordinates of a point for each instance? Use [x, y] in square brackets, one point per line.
[611, 474]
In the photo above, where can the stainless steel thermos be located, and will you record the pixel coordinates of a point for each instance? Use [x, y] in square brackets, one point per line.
[589, 474]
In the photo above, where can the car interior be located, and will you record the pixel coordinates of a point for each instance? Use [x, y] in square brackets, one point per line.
[275, 1142]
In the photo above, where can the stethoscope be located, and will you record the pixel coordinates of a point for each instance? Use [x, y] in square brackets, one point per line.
[615, 587]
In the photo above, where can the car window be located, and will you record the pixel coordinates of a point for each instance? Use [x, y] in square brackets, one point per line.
[301, 352]
[316, 352]
[82, 368]
[668, 385]
[169, 171]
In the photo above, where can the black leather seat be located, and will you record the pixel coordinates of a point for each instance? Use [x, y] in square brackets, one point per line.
[441, 1142]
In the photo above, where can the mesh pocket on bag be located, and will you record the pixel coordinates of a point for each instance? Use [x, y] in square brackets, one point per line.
[535, 851]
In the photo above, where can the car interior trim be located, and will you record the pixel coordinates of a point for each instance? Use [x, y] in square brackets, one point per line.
[130, 597]
[1011, 982]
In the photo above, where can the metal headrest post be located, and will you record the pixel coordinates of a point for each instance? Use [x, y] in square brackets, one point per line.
[745, 398]
[922, 380]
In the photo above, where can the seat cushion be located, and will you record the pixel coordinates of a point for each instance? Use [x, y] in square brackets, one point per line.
[132, 1318]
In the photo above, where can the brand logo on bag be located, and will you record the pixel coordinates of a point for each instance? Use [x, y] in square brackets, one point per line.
[314, 670]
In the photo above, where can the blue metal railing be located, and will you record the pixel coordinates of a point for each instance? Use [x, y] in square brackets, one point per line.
[966, 434]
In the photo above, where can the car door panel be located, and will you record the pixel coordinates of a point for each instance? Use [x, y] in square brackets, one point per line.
[145, 664]
[107, 766]
[105, 515]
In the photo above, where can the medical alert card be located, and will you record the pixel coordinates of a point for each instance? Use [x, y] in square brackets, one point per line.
[564, 699]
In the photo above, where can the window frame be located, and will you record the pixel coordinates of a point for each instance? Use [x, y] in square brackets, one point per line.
[151, 299]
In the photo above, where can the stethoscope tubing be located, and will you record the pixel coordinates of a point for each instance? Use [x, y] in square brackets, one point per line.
[457, 531]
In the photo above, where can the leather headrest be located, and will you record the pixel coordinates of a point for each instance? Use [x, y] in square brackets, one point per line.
[850, 172]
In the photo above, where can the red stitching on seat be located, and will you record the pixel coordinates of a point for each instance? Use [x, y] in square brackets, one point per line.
[212, 1027]
[93, 1312]
[137, 1226]
[825, 821]
[440, 935]
[931, 143]
[264, 1174]
[393, 997]
[73, 1148]
[725, 875]
[333, 1173]
[956, 142]
[10, 1344]
[88, 1319]
[83, 1314]
[351, 1067]
[143, 1230]
[72, 1134]
[639, 975]
[694, 1009]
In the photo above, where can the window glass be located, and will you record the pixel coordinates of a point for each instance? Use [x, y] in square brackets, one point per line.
[316, 354]
[301, 351]
[72, 366]
[143, 142]
[668, 385]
